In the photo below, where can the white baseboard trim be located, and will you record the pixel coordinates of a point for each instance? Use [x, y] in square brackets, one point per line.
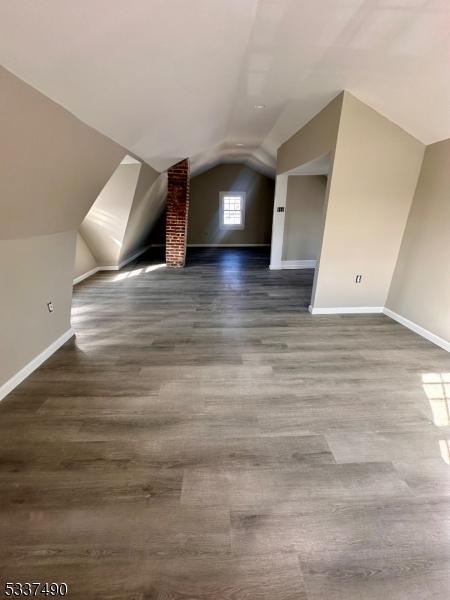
[418, 329]
[85, 275]
[227, 245]
[217, 245]
[298, 264]
[133, 256]
[123, 264]
[293, 264]
[109, 267]
[37, 361]
[345, 310]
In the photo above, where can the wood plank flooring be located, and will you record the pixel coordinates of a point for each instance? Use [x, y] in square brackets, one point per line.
[205, 437]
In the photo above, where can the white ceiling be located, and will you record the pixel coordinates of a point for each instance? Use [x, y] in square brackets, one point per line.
[174, 78]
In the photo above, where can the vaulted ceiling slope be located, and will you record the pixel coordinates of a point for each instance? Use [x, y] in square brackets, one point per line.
[168, 78]
[52, 166]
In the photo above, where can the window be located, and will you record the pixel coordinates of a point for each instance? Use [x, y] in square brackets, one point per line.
[232, 210]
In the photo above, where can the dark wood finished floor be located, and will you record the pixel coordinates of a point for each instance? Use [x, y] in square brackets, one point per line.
[205, 437]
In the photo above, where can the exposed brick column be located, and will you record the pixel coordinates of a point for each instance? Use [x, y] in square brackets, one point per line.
[177, 213]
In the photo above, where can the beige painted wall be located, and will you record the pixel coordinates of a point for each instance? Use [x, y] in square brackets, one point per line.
[420, 289]
[304, 217]
[84, 261]
[375, 172]
[104, 226]
[52, 166]
[204, 206]
[33, 271]
[316, 138]
[148, 204]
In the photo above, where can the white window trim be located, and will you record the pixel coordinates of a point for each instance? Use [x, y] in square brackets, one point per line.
[242, 197]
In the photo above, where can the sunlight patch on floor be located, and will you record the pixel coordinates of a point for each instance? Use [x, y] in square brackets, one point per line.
[136, 272]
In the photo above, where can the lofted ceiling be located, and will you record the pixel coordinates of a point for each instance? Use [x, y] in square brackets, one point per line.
[169, 79]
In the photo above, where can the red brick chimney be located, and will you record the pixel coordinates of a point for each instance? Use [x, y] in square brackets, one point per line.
[177, 213]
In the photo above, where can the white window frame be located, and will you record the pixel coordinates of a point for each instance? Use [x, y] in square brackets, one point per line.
[232, 226]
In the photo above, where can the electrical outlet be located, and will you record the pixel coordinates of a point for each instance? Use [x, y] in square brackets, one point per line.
[50, 307]
[358, 279]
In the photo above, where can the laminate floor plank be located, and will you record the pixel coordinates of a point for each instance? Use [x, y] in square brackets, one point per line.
[204, 437]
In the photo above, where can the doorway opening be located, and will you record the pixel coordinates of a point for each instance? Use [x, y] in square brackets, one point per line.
[299, 219]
